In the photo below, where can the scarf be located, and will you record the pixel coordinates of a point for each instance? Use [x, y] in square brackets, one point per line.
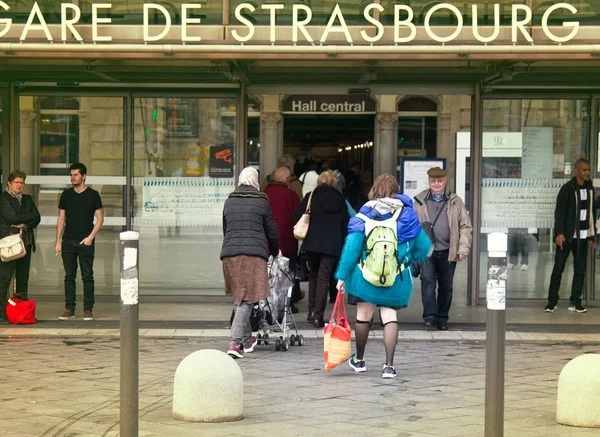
[249, 176]
[18, 196]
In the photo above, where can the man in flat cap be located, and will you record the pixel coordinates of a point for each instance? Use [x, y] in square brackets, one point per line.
[444, 217]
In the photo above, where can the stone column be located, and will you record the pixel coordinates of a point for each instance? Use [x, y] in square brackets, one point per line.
[386, 145]
[270, 141]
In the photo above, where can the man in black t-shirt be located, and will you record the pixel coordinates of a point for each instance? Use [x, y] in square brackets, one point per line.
[75, 240]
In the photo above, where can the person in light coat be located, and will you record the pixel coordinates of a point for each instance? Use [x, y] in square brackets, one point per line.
[451, 236]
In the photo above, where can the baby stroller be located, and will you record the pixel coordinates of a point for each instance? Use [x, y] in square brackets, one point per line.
[276, 308]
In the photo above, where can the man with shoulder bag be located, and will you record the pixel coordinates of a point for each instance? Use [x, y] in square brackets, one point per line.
[444, 218]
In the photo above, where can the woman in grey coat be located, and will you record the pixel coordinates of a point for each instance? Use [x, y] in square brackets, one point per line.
[249, 237]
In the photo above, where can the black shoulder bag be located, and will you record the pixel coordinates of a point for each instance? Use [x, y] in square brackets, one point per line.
[428, 226]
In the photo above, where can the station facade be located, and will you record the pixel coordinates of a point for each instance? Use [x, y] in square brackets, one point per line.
[165, 102]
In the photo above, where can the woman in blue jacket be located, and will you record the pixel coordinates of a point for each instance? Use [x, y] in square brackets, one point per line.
[413, 245]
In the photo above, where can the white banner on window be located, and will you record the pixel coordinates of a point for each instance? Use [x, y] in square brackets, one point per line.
[194, 201]
[519, 203]
[537, 156]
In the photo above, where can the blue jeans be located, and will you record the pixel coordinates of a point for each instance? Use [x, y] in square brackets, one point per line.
[437, 270]
[71, 252]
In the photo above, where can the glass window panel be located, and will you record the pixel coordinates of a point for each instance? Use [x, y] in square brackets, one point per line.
[529, 150]
[1, 140]
[122, 11]
[55, 132]
[445, 17]
[321, 11]
[184, 155]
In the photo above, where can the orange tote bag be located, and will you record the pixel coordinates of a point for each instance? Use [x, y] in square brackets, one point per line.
[337, 336]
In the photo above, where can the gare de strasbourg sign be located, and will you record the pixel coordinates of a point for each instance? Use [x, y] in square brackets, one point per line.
[521, 16]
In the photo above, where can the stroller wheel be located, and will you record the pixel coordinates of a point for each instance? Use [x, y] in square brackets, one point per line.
[293, 339]
[300, 340]
[277, 345]
[266, 339]
[285, 345]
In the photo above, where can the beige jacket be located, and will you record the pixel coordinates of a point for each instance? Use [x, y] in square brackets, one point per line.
[461, 230]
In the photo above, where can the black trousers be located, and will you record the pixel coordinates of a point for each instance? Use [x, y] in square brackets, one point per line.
[321, 269]
[20, 268]
[71, 252]
[437, 270]
[579, 267]
[296, 290]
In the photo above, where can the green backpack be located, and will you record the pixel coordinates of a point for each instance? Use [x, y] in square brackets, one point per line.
[380, 265]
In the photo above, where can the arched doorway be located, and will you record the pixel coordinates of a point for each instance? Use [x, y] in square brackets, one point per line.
[417, 128]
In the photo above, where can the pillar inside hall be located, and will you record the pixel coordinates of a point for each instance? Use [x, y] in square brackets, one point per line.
[386, 137]
[271, 138]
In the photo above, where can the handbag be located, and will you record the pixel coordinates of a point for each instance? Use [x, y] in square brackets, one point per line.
[20, 312]
[337, 336]
[301, 228]
[428, 226]
[12, 248]
[301, 267]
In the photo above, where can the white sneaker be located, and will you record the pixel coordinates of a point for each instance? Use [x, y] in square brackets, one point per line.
[524, 267]
[510, 266]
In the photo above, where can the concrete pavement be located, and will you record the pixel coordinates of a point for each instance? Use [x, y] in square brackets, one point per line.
[70, 387]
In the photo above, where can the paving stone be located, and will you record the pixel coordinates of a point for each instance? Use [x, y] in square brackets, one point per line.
[440, 389]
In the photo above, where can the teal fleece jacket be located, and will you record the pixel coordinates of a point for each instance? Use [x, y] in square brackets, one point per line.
[398, 295]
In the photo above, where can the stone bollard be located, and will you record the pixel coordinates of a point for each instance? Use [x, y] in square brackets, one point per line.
[209, 387]
[578, 392]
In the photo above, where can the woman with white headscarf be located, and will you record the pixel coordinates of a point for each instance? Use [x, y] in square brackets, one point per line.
[249, 237]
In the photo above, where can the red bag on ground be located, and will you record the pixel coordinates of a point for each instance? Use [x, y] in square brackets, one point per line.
[337, 335]
[20, 312]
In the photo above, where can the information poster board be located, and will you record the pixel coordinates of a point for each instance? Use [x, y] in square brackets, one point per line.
[414, 174]
[519, 203]
[184, 201]
[182, 116]
[537, 156]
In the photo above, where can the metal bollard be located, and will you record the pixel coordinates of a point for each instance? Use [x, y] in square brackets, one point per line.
[495, 334]
[129, 254]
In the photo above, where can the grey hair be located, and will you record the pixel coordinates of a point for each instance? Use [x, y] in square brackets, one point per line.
[286, 160]
[281, 174]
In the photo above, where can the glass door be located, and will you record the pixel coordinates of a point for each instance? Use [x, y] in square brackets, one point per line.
[530, 148]
[55, 132]
[183, 171]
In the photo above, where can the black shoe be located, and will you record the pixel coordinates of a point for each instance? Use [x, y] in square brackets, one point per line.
[429, 323]
[577, 307]
[442, 326]
[294, 309]
[550, 308]
[310, 317]
[319, 323]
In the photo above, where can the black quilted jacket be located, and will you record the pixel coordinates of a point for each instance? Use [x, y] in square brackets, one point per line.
[248, 225]
[13, 213]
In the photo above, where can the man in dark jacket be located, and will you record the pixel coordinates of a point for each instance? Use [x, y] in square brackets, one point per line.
[575, 229]
[284, 202]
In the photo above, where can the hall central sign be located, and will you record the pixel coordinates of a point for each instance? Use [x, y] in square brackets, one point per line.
[404, 29]
[332, 104]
